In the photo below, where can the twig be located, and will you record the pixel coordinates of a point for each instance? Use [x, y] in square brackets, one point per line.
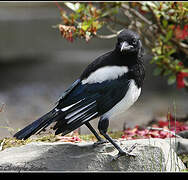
[180, 46]
[183, 45]
[161, 129]
[128, 14]
[108, 36]
[111, 29]
[157, 20]
[124, 24]
[136, 13]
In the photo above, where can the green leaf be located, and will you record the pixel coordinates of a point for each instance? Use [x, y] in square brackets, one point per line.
[81, 8]
[158, 50]
[185, 70]
[76, 16]
[157, 71]
[165, 23]
[85, 26]
[171, 79]
[111, 11]
[176, 62]
[167, 72]
[171, 52]
[96, 24]
[185, 4]
[168, 36]
[156, 58]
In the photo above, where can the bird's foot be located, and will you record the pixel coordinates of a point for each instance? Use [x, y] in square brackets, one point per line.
[99, 142]
[125, 153]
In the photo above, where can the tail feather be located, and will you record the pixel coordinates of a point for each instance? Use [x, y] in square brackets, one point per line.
[32, 128]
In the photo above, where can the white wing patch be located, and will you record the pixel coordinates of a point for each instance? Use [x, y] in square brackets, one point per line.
[70, 117]
[105, 73]
[129, 99]
[68, 107]
[90, 117]
[77, 111]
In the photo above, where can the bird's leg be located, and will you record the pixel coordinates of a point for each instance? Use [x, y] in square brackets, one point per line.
[103, 126]
[100, 140]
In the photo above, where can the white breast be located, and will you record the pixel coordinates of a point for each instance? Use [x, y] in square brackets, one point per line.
[105, 73]
[129, 99]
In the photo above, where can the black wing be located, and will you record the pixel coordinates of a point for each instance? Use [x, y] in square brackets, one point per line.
[84, 102]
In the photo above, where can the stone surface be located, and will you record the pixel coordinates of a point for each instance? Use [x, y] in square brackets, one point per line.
[151, 155]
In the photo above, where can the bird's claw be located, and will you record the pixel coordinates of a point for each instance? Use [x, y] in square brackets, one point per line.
[102, 141]
[125, 153]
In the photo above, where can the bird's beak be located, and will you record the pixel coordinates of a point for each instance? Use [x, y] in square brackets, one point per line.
[125, 46]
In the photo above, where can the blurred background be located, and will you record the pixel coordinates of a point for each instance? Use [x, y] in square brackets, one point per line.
[37, 65]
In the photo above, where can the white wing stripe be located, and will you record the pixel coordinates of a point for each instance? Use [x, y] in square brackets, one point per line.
[79, 110]
[90, 117]
[68, 107]
[78, 115]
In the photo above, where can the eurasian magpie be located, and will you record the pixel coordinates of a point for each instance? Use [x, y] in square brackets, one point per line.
[108, 86]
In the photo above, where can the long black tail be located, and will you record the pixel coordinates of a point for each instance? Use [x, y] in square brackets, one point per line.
[37, 125]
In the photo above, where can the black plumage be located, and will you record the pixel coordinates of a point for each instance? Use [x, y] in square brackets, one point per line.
[106, 95]
[107, 83]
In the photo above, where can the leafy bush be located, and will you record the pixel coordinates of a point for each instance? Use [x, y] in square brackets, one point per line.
[163, 27]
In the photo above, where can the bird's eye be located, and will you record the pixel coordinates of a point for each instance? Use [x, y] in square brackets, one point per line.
[134, 41]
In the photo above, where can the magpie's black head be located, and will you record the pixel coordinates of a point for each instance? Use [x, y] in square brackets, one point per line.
[129, 42]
